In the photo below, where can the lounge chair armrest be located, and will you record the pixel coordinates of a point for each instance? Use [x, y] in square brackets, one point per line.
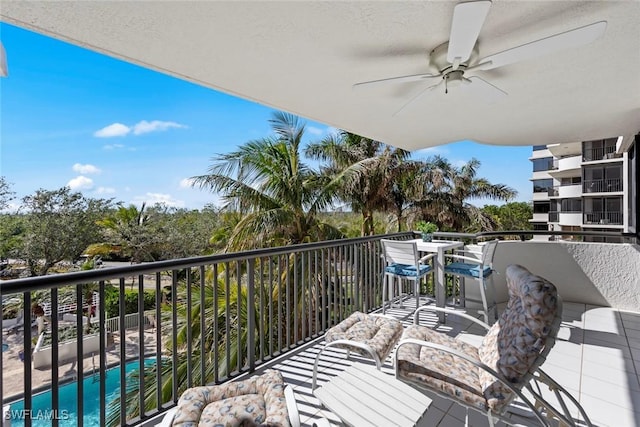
[416, 315]
[426, 258]
[321, 422]
[292, 407]
[465, 258]
[167, 420]
[475, 363]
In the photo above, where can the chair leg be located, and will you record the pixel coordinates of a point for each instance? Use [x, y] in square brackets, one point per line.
[485, 311]
[493, 297]
[385, 289]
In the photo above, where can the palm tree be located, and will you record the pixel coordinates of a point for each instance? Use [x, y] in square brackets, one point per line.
[128, 228]
[367, 190]
[278, 194]
[445, 197]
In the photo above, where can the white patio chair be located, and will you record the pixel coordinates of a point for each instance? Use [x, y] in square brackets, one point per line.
[466, 266]
[402, 261]
[489, 377]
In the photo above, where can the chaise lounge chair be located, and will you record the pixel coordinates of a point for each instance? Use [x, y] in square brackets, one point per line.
[490, 377]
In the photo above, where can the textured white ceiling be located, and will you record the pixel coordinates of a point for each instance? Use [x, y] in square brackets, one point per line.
[304, 57]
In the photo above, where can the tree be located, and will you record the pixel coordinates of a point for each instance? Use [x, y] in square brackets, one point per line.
[6, 195]
[59, 225]
[445, 199]
[278, 195]
[373, 168]
[511, 216]
[129, 229]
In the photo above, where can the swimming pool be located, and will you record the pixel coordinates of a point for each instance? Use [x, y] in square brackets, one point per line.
[68, 398]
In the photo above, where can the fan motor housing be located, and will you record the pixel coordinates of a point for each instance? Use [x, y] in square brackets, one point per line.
[438, 59]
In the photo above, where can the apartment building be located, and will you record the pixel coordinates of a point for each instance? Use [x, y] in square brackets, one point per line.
[583, 186]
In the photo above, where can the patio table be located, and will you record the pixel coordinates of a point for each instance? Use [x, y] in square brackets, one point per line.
[362, 396]
[439, 247]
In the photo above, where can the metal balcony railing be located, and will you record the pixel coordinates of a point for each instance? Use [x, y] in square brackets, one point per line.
[602, 185]
[604, 218]
[599, 153]
[212, 319]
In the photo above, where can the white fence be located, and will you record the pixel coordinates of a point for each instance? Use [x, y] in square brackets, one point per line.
[132, 321]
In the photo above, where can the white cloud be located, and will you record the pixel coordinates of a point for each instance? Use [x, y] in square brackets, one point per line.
[85, 169]
[113, 146]
[158, 198]
[186, 183]
[80, 183]
[105, 190]
[154, 126]
[115, 129]
[315, 131]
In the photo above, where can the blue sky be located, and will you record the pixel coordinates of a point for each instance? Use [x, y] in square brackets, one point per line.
[72, 117]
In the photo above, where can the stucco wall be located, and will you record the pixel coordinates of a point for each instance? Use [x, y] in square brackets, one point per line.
[594, 273]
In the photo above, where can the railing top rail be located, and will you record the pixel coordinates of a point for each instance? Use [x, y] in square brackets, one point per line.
[476, 236]
[81, 277]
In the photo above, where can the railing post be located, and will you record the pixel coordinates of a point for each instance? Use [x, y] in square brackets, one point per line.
[251, 308]
[358, 288]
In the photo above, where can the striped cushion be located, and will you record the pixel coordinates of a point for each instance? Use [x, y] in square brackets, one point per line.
[407, 270]
[465, 269]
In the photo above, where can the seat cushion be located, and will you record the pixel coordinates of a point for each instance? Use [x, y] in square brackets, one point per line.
[439, 370]
[472, 270]
[258, 400]
[378, 332]
[407, 270]
[517, 343]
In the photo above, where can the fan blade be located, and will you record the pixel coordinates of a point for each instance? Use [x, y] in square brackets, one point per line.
[402, 79]
[416, 96]
[466, 25]
[483, 89]
[572, 38]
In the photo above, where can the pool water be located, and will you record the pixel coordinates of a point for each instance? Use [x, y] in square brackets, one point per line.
[68, 398]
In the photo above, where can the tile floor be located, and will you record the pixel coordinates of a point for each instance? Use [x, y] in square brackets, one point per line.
[596, 358]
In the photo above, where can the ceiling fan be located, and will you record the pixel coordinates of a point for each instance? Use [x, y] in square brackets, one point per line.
[460, 54]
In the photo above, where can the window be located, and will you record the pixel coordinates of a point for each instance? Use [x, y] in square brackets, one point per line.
[570, 181]
[542, 185]
[598, 149]
[544, 164]
[571, 205]
[540, 226]
[539, 147]
[541, 207]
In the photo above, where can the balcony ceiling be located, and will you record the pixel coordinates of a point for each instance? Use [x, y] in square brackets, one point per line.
[304, 57]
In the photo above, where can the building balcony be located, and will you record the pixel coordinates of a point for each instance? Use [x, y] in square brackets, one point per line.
[570, 191]
[600, 153]
[269, 308]
[554, 216]
[602, 186]
[570, 218]
[567, 167]
[603, 218]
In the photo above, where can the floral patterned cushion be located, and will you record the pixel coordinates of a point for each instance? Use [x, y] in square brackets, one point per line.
[438, 369]
[378, 332]
[525, 331]
[515, 346]
[259, 400]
